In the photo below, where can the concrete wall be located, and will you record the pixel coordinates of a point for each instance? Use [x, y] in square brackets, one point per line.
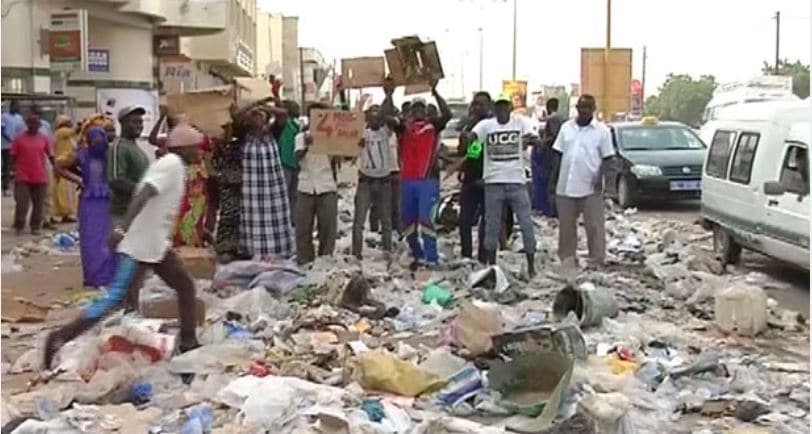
[222, 48]
[25, 67]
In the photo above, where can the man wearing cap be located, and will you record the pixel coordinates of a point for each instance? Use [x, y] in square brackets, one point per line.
[126, 162]
[504, 138]
[420, 189]
[143, 241]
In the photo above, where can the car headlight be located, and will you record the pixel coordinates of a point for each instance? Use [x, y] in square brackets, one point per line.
[643, 170]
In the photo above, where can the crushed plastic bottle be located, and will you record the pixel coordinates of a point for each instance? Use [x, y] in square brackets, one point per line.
[200, 420]
[46, 408]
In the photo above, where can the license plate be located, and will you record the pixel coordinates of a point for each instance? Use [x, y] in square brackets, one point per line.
[686, 185]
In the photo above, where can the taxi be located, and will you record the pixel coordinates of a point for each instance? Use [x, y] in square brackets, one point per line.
[658, 161]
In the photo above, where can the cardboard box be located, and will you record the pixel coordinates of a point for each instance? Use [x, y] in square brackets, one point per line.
[413, 61]
[337, 132]
[167, 308]
[362, 72]
[207, 109]
[200, 262]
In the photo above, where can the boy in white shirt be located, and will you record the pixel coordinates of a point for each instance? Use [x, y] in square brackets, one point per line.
[374, 186]
[144, 242]
[317, 197]
[505, 137]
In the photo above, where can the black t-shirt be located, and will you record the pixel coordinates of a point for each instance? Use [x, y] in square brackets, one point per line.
[471, 169]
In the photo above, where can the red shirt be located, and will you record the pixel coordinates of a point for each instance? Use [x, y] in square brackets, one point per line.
[31, 152]
[419, 140]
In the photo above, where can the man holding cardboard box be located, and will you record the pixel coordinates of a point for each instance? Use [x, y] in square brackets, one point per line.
[420, 189]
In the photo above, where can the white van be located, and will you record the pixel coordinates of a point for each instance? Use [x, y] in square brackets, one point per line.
[755, 181]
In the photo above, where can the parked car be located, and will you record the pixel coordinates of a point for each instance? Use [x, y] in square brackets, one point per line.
[756, 180]
[657, 161]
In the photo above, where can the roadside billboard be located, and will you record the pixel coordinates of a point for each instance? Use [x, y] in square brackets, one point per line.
[517, 90]
[67, 40]
[613, 96]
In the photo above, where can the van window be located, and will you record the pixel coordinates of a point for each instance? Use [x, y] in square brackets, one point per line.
[719, 153]
[743, 158]
[795, 170]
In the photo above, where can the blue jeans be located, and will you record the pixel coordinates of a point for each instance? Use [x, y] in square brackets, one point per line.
[516, 197]
[418, 206]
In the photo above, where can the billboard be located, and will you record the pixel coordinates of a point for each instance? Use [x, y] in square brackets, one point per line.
[517, 91]
[613, 96]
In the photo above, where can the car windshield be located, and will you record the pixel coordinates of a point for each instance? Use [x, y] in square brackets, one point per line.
[658, 138]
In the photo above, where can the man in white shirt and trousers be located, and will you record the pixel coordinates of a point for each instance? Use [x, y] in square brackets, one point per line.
[144, 242]
[586, 149]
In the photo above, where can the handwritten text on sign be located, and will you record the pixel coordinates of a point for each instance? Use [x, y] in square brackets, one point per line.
[336, 132]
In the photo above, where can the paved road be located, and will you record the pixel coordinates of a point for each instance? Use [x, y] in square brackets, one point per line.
[796, 293]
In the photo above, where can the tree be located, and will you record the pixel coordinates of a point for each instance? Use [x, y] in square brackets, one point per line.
[681, 98]
[798, 71]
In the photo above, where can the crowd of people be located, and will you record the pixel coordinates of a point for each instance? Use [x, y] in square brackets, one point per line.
[258, 191]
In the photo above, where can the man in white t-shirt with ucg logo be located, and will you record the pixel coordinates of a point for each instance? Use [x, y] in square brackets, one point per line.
[585, 145]
[505, 137]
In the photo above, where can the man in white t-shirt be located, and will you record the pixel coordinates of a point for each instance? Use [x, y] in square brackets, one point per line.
[144, 242]
[585, 148]
[505, 137]
[317, 197]
[374, 187]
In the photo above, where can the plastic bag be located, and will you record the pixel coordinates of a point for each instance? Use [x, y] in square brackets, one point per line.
[383, 371]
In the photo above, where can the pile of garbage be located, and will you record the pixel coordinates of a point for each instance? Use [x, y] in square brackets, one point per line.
[663, 339]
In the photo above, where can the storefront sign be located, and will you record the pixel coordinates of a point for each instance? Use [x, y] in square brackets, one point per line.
[177, 77]
[166, 45]
[337, 132]
[98, 60]
[517, 91]
[67, 40]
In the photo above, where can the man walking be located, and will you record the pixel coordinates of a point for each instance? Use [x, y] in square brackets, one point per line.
[585, 146]
[317, 197]
[504, 138]
[420, 189]
[374, 187]
[126, 162]
[31, 153]
[144, 241]
[13, 126]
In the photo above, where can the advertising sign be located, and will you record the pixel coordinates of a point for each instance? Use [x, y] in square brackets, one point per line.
[614, 96]
[337, 132]
[67, 40]
[98, 60]
[177, 77]
[517, 90]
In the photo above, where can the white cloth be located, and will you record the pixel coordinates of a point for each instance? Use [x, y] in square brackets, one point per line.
[148, 237]
[315, 172]
[376, 158]
[504, 159]
[393, 153]
[583, 150]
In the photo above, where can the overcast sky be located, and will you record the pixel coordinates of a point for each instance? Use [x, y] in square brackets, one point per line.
[726, 38]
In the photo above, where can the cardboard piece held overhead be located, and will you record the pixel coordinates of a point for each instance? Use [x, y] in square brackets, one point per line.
[362, 72]
[337, 132]
[207, 109]
[413, 61]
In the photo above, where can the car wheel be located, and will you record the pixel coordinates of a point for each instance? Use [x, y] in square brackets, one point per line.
[725, 246]
[625, 196]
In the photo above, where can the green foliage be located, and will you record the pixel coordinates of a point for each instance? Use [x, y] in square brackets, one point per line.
[798, 71]
[681, 98]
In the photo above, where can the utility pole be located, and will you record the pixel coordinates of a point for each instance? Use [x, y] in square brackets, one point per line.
[777, 39]
[302, 78]
[643, 83]
[514, 39]
[481, 59]
[606, 108]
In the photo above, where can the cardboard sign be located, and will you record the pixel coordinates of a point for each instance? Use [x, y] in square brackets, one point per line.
[336, 132]
[362, 72]
[207, 109]
[413, 61]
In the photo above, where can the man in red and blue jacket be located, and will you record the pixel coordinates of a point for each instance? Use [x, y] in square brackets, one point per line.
[419, 172]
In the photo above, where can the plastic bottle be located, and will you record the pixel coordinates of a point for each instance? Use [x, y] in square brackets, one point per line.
[200, 420]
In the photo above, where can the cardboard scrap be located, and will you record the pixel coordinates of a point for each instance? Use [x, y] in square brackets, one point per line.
[413, 62]
[337, 132]
[476, 326]
[361, 72]
[208, 109]
[23, 310]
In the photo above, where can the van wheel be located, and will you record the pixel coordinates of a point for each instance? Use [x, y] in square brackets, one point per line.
[625, 196]
[725, 246]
